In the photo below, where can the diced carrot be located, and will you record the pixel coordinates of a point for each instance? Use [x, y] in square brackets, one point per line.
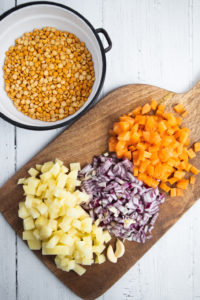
[135, 171]
[143, 166]
[124, 136]
[150, 170]
[183, 184]
[192, 180]
[128, 154]
[151, 124]
[162, 127]
[196, 147]
[128, 119]
[194, 170]
[172, 180]
[116, 128]
[137, 111]
[164, 187]
[146, 109]
[183, 115]
[179, 174]
[179, 108]
[154, 104]
[173, 192]
[124, 126]
[147, 154]
[161, 107]
[112, 144]
[191, 153]
[140, 119]
[179, 192]
[135, 137]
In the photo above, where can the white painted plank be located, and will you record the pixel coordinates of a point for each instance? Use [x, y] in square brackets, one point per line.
[7, 235]
[34, 280]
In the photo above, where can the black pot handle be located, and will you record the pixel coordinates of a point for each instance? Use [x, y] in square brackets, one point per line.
[104, 32]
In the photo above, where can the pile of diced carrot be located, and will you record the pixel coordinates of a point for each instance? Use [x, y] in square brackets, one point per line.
[158, 146]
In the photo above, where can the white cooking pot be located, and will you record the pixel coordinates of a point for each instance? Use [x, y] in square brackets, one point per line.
[26, 17]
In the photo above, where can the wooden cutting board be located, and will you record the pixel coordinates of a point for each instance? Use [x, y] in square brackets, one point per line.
[88, 137]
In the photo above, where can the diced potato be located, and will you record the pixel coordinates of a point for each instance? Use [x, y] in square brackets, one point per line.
[61, 180]
[47, 166]
[41, 189]
[76, 224]
[52, 242]
[86, 225]
[67, 239]
[41, 222]
[53, 224]
[30, 188]
[34, 212]
[60, 162]
[57, 250]
[28, 235]
[34, 244]
[79, 270]
[54, 218]
[107, 236]
[22, 181]
[23, 212]
[38, 167]
[87, 261]
[42, 208]
[45, 232]
[55, 169]
[100, 259]
[66, 223]
[75, 166]
[29, 223]
[33, 172]
[36, 234]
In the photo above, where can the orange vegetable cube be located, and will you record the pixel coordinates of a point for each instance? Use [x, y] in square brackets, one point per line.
[147, 154]
[183, 184]
[164, 187]
[197, 147]
[135, 171]
[179, 108]
[124, 126]
[146, 109]
[179, 192]
[172, 180]
[194, 170]
[192, 180]
[162, 127]
[179, 174]
[173, 192]
[191, 153]
[137, 111]
[124, 136]
[161, 107]
[183, 115]
[150, 170]
[116, 128]
[154, 104]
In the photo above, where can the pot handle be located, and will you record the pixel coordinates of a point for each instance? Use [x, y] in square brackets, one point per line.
[104, 32]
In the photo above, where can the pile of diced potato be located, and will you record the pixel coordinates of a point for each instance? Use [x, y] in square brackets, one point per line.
[55, 222]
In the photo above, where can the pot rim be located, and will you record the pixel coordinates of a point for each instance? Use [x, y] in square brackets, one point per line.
[73, 119]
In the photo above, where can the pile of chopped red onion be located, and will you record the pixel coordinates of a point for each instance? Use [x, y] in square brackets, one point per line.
[123, 204]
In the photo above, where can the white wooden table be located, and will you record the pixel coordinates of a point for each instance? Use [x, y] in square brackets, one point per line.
[155, 42]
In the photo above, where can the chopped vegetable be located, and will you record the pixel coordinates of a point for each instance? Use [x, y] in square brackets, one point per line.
[156, 144]
[179, 108]
[125, 206]
[197, 147]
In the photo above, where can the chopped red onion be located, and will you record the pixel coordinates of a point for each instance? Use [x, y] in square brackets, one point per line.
[124, 205]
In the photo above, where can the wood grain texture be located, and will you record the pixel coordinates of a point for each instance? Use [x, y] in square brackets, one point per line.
[93, 130]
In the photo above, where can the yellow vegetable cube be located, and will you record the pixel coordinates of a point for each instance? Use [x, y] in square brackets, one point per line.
[57, 250]
[22, 181]
[31, 186]
[79, 270]
[34, 212]
[29, 223]
[41, 222]
[53, 224]
[66, 223]
[76, 224]
[23, 212]
[36, 234]
[47, 166]
[67, 239]
[100, 259]
[45, 232]
[52, 242]
[34, 244]
[86, 225]
[42, 208]
[28, 235]
[33, 172]
[75, 166]
[38, 167]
